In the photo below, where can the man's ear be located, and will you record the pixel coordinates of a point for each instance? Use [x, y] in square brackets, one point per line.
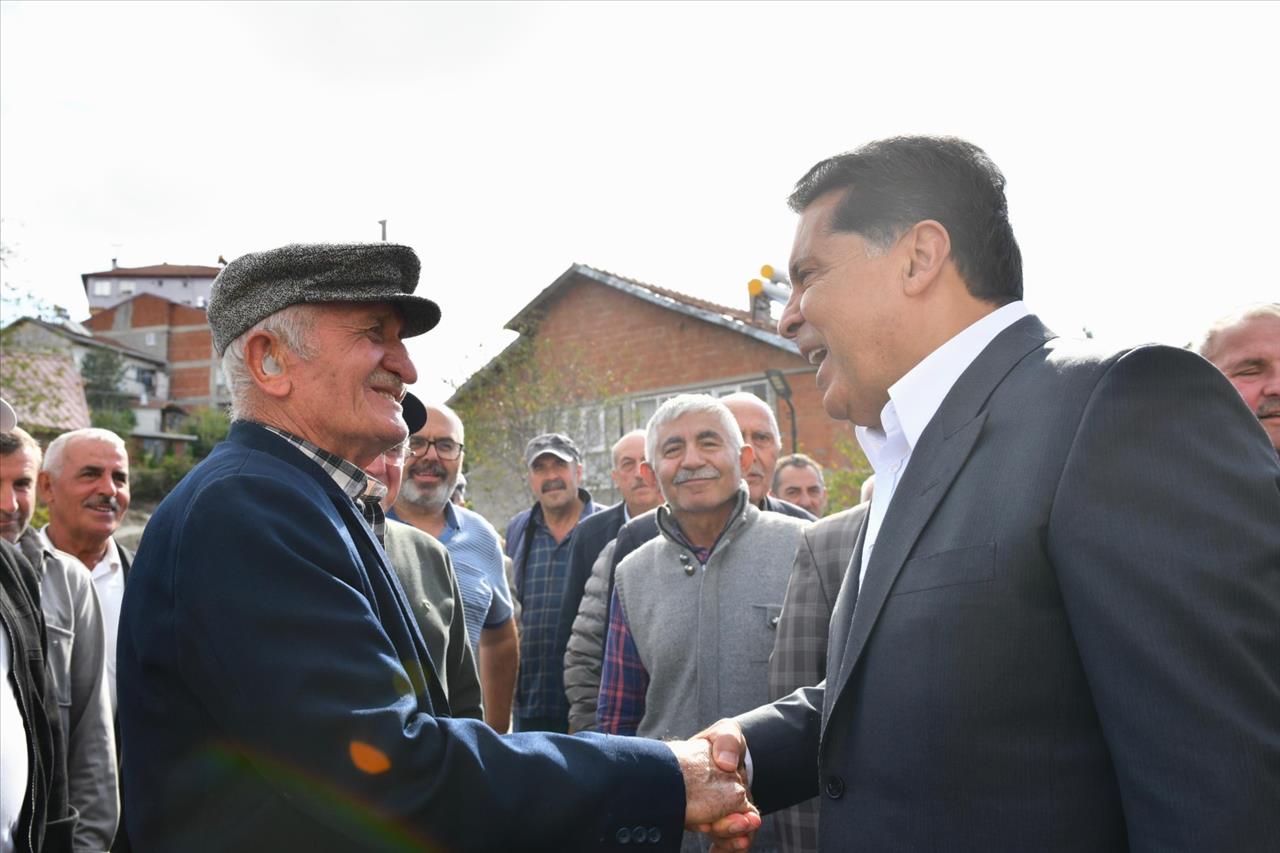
[928, 248]
[44, 487]
[264, 359]
[748, 455]
[649, 475]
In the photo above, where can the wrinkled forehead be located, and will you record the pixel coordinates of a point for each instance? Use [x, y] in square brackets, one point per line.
[94, 451]
[688, 427]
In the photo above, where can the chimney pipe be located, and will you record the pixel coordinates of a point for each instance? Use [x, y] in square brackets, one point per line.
[114, 265]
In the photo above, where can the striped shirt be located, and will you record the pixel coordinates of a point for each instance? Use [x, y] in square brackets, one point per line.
[366, 492]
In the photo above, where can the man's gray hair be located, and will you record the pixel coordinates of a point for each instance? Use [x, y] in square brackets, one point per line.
[1208, 345]
[292, 326]
[690, 404]
[53, 453]
[797, 460]
[748, 397]
[613, 451]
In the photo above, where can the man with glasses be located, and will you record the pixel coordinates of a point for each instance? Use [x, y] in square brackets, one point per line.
[433, 467]
[422, 565]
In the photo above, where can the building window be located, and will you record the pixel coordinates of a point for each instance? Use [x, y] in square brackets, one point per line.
[151, 339]
[101, 287]
[147, 379]
[127, 287]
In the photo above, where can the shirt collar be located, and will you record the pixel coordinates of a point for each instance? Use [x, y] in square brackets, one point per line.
[349, 478]
[451, 516]
[110, 557]
[915, 398]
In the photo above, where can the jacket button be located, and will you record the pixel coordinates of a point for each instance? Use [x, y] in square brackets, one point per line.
[835, 787]
[689, 570]
[640, 834]
[624, 836]
[773, 621]
[655, 835]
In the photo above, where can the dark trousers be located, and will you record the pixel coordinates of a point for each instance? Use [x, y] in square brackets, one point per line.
[541, 724]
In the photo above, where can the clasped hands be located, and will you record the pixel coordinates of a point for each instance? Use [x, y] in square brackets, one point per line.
[717, 796]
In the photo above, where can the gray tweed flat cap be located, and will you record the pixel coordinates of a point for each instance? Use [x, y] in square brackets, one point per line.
[255, 286]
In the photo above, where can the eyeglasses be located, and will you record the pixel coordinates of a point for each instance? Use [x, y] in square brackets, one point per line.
[446, 448]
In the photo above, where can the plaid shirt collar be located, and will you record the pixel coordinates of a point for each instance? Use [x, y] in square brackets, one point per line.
[366, 492]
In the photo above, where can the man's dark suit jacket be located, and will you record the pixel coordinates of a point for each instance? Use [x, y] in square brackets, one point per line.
[1066, 636]
[275, 693]
[588, 541]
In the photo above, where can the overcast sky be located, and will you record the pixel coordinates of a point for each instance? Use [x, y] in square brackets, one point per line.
[505, 142]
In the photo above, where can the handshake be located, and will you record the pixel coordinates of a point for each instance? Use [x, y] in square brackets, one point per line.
[717, 795]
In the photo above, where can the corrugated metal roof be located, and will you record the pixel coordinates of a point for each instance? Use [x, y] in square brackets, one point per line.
[45, 390]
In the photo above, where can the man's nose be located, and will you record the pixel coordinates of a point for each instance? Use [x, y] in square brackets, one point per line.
[8, 498]
[398, 362]
[791, 320]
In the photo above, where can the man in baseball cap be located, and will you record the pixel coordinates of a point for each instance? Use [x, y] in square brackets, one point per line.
[275, 692]
[539, 541]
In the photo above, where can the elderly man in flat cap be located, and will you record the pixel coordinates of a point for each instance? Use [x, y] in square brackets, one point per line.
[275, 693]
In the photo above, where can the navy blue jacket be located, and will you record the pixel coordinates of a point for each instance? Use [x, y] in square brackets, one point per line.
[275, 693]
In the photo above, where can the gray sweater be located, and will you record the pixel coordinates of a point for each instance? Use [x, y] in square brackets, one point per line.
[704, 634]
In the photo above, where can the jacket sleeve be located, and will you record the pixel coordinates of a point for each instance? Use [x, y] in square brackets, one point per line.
[1165, 538]
[586, 646]
[799, 650]
[279, 643]
[92, 785]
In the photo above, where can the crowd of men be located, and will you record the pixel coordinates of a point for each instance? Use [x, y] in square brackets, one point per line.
[1051, 626]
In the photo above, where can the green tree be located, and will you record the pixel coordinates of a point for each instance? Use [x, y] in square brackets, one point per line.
[102, 371]
[848, 471]
[530, 389]
[210, 426]
[119, 421]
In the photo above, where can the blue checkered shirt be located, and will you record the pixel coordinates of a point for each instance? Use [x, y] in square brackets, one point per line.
[540, 692]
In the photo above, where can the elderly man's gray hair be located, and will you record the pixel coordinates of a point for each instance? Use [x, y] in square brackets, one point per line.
[1208, 345]
[52, 461]
[292, 325]
[690, 404]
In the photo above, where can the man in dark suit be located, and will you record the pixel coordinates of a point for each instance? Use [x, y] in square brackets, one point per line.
[1058, 631]
[799, 656]
[275, 692]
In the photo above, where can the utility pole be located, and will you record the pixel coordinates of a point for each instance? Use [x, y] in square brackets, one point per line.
[383, 223]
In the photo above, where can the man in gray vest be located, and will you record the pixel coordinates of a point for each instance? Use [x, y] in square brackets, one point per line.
[694, 611]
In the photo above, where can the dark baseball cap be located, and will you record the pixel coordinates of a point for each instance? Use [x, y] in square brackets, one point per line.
[555, 443]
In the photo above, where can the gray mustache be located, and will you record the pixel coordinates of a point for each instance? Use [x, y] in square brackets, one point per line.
[1268, 406]
[553, 484]
[706, 472]
[111, 503]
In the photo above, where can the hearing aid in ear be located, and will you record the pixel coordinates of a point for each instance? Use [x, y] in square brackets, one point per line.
[270, 366]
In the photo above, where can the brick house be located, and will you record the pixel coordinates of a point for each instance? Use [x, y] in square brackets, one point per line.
[177, 334]
[638, 345]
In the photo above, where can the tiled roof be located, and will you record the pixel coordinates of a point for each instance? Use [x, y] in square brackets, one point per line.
[702, 309]
[45, 390]
[158, 271]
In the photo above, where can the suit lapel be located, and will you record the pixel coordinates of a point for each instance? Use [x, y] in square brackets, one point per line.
[842, 621]
[937, 459]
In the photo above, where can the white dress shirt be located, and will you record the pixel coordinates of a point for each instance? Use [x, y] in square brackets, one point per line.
[913, 401]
